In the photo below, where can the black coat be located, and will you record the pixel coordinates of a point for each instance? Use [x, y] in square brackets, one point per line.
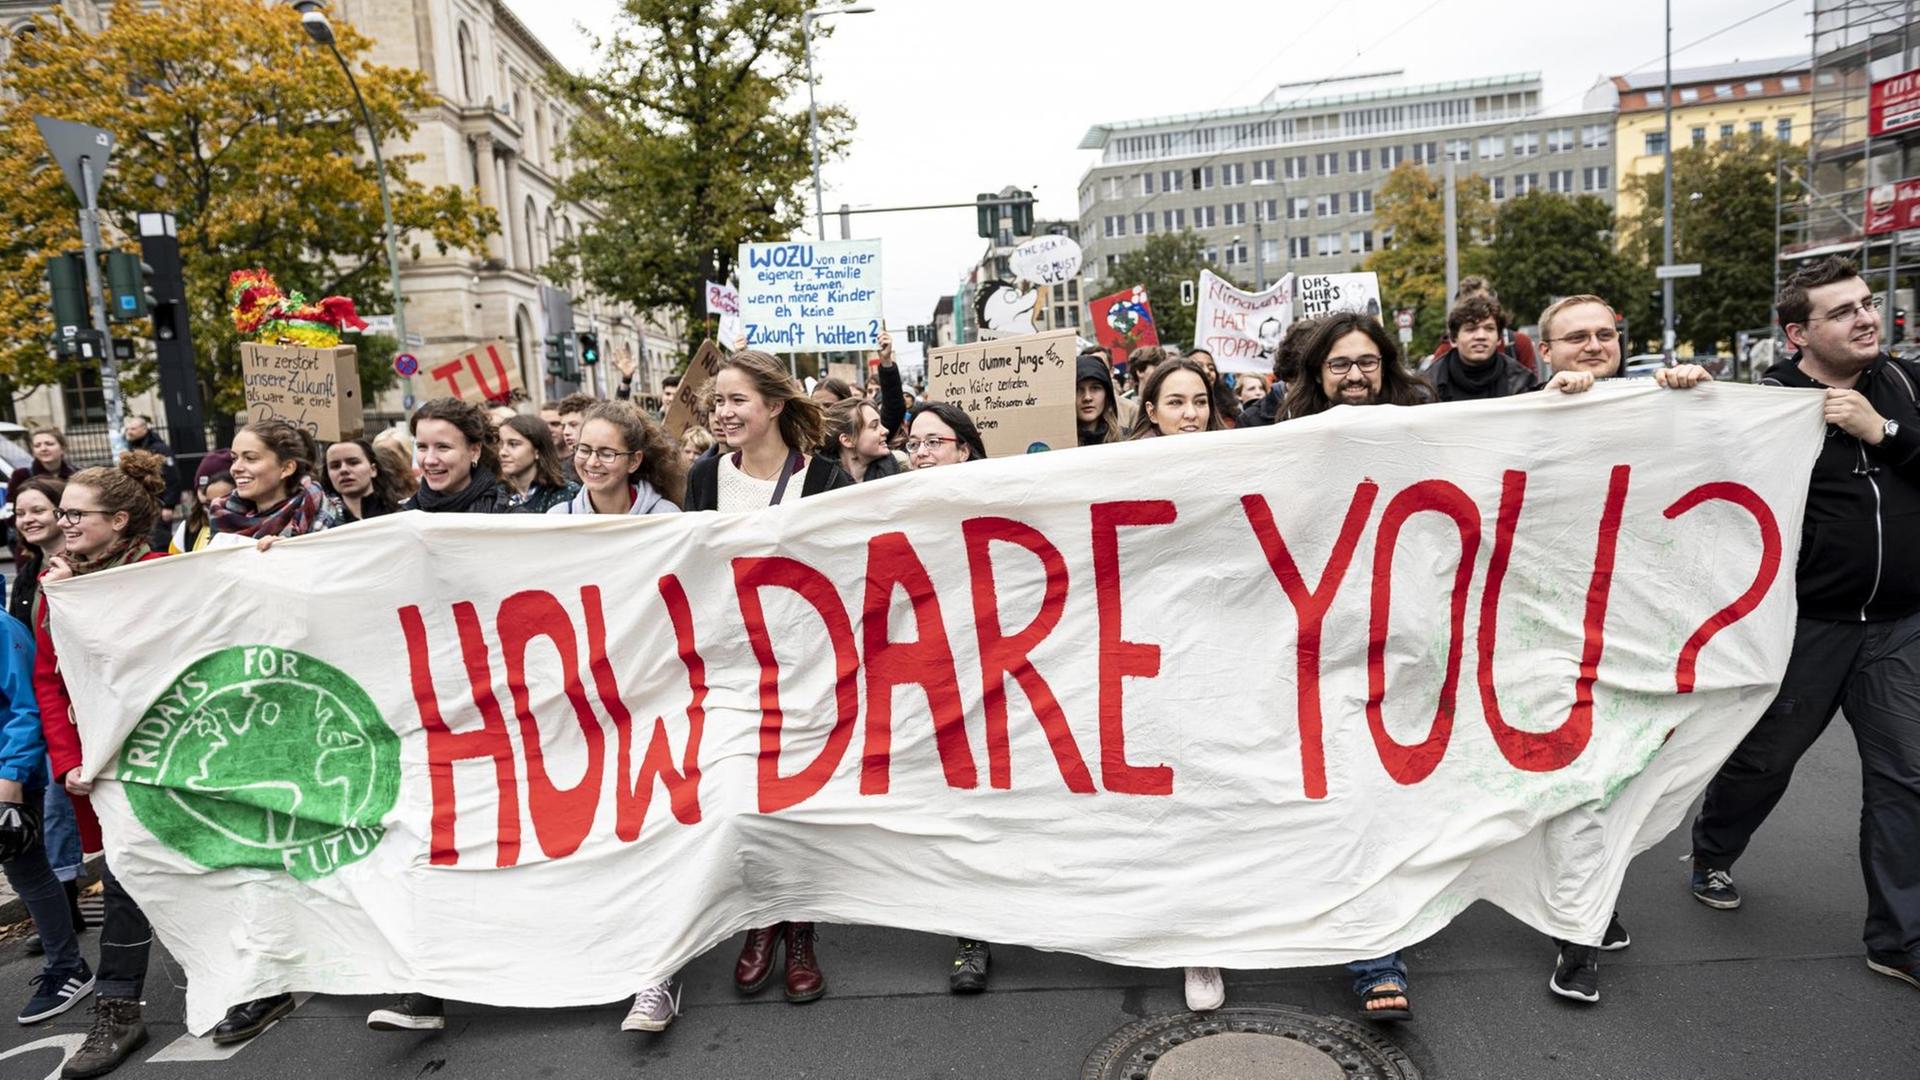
[1859, 561]
[1512, 378]
[703, 481]
[1265, 411]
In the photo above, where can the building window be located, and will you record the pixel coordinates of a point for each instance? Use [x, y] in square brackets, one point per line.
[1756, 87]
[1143, 224]
[1360, 202]
[1790, 84]
[1359, 160]
[1146, 183]
[1360, 242]
[1783, 129]
[1392, 156]
[1115, 225]
[1656, 142]
[1699, 137]
[1459, 149]
[1299, 247]
[1236, 254]
[1756, 130]
[1235, 213]
[1297, 167]
[1526, 144]
[1526, 182]
[1492, 147]
[84, 398]
[1113, 264]
[1724, 90]
[1173, 220]
[1270, 251]
[1497, 188]
[1203, 178]
[1559, 140]
[1326, 206]
[1298, 207]
[1326, 164]
[1266, 210]
[1172, 180]
[1327, 244]
[1726, 133]
[1203, 217]
[1233, 174]
[1655, 99]
[1209, 254]
[1263, 170]
[469, 60]
[1427, 153]
[1560, 181]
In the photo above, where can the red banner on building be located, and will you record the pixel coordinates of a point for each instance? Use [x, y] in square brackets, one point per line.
[1893, 207]
[1894, 104]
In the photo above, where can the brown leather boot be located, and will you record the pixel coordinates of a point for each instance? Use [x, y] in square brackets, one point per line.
[804, 980]
[756, 958]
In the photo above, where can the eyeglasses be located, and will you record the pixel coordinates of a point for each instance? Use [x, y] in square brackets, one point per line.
[72, 517]
[1342, 365]
[1870, 307]
[605, 455]
[931, 444]
[1579, 338]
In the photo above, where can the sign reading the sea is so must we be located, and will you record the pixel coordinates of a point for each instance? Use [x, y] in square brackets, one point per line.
[811, 297]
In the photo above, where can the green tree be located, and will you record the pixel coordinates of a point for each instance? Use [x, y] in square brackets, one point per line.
[1413, 266]
[230, 118]
[1547, 246]
[688, 145]
[1161, 264]
[1722, 219]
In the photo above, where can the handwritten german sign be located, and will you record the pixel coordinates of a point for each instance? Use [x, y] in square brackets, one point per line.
[811, 297]
[1018, 391]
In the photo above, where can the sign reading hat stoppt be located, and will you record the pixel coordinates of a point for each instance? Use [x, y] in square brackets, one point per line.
[317, 390]
[811, 296]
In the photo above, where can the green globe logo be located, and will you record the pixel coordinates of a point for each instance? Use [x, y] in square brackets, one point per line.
[263, 757]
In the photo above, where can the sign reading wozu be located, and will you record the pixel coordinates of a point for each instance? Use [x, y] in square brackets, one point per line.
[811, 296]
[1448, 670]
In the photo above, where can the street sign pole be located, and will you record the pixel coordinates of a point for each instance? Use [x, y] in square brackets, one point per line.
[96, 299]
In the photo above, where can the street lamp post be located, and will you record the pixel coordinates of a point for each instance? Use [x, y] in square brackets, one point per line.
[813, 110]
[313, 19]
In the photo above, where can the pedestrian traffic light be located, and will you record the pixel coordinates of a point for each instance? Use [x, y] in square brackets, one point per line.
[129, 286]
[589, 349]
[67, 281]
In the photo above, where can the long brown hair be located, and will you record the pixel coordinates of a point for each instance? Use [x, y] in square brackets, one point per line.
[1398, 386]
[51, 487]
[387, 487]
[803, 424]
[288, 443]
[1143, 425]
[659, 458]
[546, 457]
[467, 418]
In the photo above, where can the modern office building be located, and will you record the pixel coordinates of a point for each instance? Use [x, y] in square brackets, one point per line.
[1749, 99]
[1289, 184]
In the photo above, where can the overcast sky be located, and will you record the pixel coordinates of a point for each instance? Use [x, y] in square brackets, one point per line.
[954, 97]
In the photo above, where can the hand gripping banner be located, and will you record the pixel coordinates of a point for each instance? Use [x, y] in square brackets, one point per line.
[1266, 698]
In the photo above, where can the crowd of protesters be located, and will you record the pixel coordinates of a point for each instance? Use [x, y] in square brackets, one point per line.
[762, 439]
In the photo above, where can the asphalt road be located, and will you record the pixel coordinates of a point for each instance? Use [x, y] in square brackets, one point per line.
[1778, 989]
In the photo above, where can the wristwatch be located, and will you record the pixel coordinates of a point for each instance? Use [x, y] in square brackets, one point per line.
[1890, 429]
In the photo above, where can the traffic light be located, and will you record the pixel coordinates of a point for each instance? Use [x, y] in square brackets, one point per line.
[589, 349]
[1023, 213]
[129, 286]
[988, 208]
[67, 281]
[556, 356]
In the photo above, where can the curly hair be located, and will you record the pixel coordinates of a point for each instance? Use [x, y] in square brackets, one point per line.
[132, 488]
[659, 458]
[470, 420]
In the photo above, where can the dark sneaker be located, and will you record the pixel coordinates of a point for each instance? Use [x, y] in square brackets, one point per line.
[413, 1012]
[1616, 937]
[58, 992]
[1714, 888]
[1908, 973]
[1577, 975]
[969, 975]
[250, 1018]
[117, 1032]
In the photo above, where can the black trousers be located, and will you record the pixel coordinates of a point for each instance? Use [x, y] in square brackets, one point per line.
[125, 940]
[1871, 670]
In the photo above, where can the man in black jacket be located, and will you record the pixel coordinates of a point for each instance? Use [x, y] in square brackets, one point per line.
[1857, 643]
[1476, 368]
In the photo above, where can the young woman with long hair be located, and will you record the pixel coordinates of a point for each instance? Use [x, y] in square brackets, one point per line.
[772, 429]
[530, 465]
[856, 431]
[942, 433]
[275, 494]
[627, 465]
[35, 506]
[359, 484]
[1177, 399]
[396, 464]
[1096, 401]
[459, 453]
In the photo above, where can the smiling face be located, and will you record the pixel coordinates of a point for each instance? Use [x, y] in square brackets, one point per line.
[1477, 341]
[92, 531]
[1354, 386]
[603, 459]
[1842, 333]
[1583, 338]
[517, 454]
[447, 459]
[33, 514]
[741, 417]
[48, 452]
[1182, 406]
[349, 470]
[260, 475]
[932, 442]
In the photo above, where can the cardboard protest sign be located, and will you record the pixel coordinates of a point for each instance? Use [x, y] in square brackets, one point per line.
[686, 406]
[1450, 668]
[1315, 295]
[1123, 322]
[724, 301]
[1241, 329]
[315, 389]
[811, 296]
[1018, 391]
[483, 374]
[1046, 260]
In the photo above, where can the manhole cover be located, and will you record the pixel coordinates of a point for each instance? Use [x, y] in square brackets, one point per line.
[1248, 1042]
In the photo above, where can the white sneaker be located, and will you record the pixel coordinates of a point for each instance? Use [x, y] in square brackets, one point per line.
[1206, 990]
[653, 1008]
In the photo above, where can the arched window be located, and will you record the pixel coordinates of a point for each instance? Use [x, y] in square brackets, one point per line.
[469, 61]
[523, 343]
[538, 132]
[552, 235]
[528, 219]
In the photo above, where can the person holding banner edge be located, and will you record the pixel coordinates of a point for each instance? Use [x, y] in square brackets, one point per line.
[772, 428]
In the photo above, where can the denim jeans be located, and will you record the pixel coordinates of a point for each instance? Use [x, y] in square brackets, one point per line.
[60, 831]
[1368, 974]
[46, 900]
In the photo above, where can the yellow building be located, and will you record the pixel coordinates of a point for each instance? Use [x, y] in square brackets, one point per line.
[1767, 99]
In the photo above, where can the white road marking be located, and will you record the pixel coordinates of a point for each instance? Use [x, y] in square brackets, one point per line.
[202, 1048]
[67, 1045]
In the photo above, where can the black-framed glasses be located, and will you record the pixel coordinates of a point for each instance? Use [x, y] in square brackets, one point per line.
[1343, 364]
[72, 517]
[1870, 306]
[605, 455]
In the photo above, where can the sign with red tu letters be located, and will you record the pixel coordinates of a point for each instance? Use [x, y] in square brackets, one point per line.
[489, 373]
[1894, 104]
[1377, 667]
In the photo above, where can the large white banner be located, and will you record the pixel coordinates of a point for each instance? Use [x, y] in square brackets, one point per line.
[1284, 696]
